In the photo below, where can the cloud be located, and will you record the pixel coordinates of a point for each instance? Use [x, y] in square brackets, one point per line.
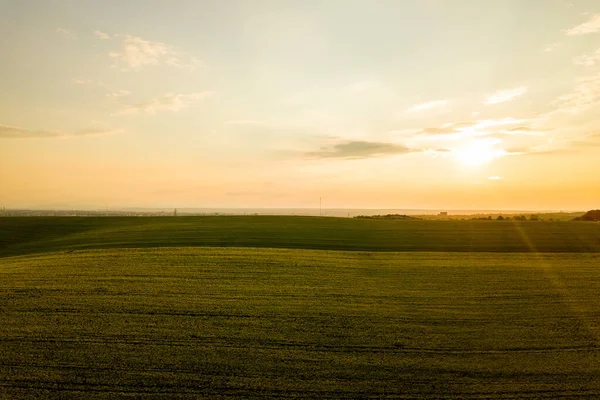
[88, 82]
[494, 178]
[584, 96]
[118, 94]
[246, 122]
[489, 123]
[427, 106]
[97, 132]
[168, 102]
[592, 140]
[137, 53]
[585, 143]
[436, 152]
[480, 127]
[449, 128]
[538, 150]
[521, 129]
[548, 152]
[360, 149]
[587, 60]
[592, 25]
[307, 95]
[102, 35]
[363, 86]
[502, 96]
[11, 132]
[66, 33]
[524, 130]
[552, 47]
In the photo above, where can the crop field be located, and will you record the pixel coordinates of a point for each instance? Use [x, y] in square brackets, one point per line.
[27, 235]
[296, 307]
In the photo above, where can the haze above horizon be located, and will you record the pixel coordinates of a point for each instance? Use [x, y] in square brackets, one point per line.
[462, 105]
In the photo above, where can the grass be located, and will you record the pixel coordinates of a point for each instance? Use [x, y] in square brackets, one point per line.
[29, 235]
[138, 310]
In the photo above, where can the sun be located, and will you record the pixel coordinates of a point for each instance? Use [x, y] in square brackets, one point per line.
[477, 153]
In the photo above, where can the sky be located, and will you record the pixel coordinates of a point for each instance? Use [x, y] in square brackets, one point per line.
[424, 104]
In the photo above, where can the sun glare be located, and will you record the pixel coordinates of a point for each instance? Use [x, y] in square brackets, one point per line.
[477, 153]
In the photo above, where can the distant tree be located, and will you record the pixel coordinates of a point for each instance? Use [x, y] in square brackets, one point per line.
[592, 215]
[500, 218]
[534, 217]
[520, 218]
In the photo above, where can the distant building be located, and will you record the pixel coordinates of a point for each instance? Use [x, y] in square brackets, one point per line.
[443, 213]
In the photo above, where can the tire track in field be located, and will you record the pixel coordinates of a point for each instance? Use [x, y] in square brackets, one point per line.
[172, 389]
[258, 344]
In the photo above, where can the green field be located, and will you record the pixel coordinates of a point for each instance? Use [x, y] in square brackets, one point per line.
[29, 235]
[297, 307]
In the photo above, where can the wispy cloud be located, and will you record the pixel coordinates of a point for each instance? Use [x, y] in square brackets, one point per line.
[490, 123]
[118, 94]
[101, 35]
[502, 96]
[137, 53]
[585, 143]
[363, 86]
[66, 33]
[427, 106]
[449, 128]
[168, 102]
[96, 132]
[552, 47]
[495, 178]
[307, 95]
[521, 129]
[588, 141]
[436, 152]
[539, 151]
[592, 25]
[247, 122]
[584, 96]
[587, 60]
[481, 127]
[88, 82]
[11, 132]
[360, 149]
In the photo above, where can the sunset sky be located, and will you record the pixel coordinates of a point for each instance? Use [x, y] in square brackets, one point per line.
[426, 104]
